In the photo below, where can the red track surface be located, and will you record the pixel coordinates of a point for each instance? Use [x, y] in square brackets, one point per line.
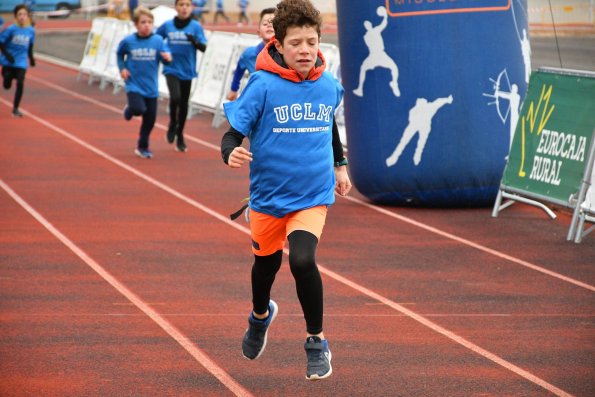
[143, 287]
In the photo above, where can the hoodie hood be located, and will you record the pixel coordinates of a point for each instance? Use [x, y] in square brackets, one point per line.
[272, 61]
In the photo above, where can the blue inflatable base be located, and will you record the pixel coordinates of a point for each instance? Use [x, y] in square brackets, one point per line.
[446, 198]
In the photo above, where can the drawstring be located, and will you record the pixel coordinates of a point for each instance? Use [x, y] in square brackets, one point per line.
[236, 214]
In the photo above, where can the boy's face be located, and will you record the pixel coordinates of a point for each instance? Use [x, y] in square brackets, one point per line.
[22, 17]
[265, 28]
[184, 8]
[299, 48]
[144, 26]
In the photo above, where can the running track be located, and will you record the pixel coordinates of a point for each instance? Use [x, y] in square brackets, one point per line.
[124, 277]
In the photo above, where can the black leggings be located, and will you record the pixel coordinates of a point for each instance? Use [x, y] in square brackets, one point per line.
[8, 74]
[138, 105]
[179, 94]
[302, 262]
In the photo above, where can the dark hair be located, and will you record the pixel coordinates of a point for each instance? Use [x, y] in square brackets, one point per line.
[18, 8]
[269, 10]
[295, 13]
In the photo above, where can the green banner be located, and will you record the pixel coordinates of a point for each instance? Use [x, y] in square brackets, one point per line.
[553, 135]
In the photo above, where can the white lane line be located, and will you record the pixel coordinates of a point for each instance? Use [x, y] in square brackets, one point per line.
[114, 109]
[370, 206]
[471, 244]
[400, 308]
[169, 328]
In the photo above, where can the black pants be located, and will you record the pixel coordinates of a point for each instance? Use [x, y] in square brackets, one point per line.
[138, 105]
[243, 17]
[8, 74]
[220, 12]
[302, 262]
[179, 95]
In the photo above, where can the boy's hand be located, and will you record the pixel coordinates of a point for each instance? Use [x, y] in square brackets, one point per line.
[232, 95]
[238, 157]
[125, 74]
[166, 56]
[32, 62]
[343, 185]
[9, 57]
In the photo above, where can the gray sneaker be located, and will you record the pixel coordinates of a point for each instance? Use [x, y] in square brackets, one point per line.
[319, 358]
[255, 338]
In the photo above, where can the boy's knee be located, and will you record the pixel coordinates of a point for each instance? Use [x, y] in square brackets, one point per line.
[175, 99]
[137, 111]
[301, 262]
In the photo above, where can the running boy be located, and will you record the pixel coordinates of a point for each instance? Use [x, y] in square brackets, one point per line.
[243, 16]
[184, 36]
[16, 45]
[220, 11]
[286, 111]
[247, 60]
[139, 55]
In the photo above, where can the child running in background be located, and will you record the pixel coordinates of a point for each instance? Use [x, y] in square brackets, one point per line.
[16, 45]
[199, 9]
[243, 17]
[296, 167]
[220, 12]
[184, 36]
[139, 55]
[247, 60]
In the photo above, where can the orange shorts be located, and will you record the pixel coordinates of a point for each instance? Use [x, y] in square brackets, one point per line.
[269, 233]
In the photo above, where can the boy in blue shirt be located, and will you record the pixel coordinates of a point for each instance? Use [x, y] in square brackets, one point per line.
[184, 36]
[247, 60]
[296, 167]
[243, 4]
[199, 9]
[16, 45]
[139, 55]
[220, 12]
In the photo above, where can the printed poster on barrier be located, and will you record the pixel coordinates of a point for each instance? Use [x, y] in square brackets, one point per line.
[213, 71]
[553, 136]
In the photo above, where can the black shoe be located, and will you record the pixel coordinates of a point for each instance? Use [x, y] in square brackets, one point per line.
[17, 113]
[181, 145]
[255, 338]
[319, 358]
[170, 137]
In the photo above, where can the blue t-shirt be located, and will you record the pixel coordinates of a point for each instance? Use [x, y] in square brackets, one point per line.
[247, 62]
[199, 6]
[141, 56]
[16, 41]
[243, 4]
[290, 130]
[183, 52]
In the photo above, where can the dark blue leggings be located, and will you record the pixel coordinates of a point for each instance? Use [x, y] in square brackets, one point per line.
[138, 105]
[8, 74]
